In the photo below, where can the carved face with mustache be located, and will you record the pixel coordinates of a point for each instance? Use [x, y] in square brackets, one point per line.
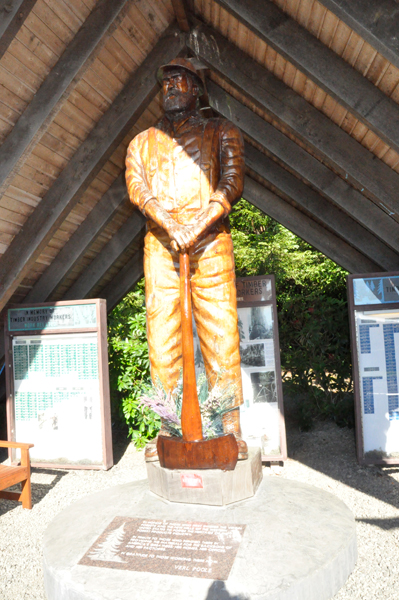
[180, 91]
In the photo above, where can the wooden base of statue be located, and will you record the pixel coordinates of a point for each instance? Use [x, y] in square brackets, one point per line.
[192, 451]
[217, 453]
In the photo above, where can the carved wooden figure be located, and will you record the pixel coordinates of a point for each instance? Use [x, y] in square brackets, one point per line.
[184, 174]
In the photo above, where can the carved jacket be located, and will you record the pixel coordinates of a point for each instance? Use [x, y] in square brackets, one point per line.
[187, 166]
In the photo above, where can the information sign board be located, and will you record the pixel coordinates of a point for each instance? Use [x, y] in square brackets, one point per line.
[262, 414]
[374, 316]
[57, 383]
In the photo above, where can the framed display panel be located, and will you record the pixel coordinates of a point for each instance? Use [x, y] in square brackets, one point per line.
[57, 383]
[262, 414]
[374, 320]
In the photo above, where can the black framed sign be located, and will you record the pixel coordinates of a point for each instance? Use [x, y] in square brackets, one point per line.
[262, 414]
[374, 320]
[57, 383]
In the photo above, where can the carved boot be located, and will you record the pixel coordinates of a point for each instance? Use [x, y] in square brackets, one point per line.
[231, 424]
[151, 452]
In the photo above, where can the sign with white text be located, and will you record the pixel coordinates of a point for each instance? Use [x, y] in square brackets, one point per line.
[75, 316]
[188, 549]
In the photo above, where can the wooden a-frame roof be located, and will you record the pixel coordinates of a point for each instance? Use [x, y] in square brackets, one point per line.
[314, 87]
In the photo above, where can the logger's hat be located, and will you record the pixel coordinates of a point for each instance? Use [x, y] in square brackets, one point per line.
[188, 65]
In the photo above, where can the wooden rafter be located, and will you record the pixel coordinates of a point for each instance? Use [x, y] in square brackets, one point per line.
[12, 16]
[84, 166]
[306, 166]
[125, 281]
[180, 11]
[377, 21]
[79, 242]
[303, 226]
[330, 72]
[318, 208]
[106, 258]
[326, 139]
[35, 117]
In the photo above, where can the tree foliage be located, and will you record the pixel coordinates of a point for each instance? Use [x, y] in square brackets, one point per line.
[313, 315]
[263, 246]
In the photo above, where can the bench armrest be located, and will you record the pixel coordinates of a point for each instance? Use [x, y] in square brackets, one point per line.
[7, 444]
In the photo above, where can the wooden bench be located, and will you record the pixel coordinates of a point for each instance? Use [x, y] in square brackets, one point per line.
[17, 474]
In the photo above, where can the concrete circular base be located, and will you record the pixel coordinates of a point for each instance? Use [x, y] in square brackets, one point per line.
[299, 544]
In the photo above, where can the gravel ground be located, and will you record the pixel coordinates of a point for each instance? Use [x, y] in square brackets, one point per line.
[323, 457]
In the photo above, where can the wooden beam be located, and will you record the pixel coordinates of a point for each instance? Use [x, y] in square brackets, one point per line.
[305, 165]
[376, 21]
[79, 242]
[124, 282]
[320, 209]
[329, 71]
[2, 380]
[327, 140]
[35, 117]
[180, 10]
[84, 166]
[104, 261]
[307, 229]
[190, 6]
[12, 15]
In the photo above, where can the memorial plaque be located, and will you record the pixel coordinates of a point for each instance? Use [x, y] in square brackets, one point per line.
[57, 383]
[188, 549]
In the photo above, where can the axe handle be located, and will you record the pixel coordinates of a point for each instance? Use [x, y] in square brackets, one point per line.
[190, 415]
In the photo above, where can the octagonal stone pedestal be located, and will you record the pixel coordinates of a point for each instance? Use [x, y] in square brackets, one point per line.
[298, 543]
[208, 486]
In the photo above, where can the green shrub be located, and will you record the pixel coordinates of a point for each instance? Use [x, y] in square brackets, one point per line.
[130, 366]
[316, 359]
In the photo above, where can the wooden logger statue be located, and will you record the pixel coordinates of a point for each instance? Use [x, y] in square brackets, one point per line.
[184, 175]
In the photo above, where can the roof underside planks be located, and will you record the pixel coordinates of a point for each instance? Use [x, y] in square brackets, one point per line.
[313, 86]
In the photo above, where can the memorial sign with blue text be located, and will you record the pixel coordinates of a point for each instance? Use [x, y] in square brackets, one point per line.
[374, 315]
[57, 382]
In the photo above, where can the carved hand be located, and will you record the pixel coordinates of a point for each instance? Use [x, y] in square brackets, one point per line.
[206, 219]
[183, 236]
[189, 234]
